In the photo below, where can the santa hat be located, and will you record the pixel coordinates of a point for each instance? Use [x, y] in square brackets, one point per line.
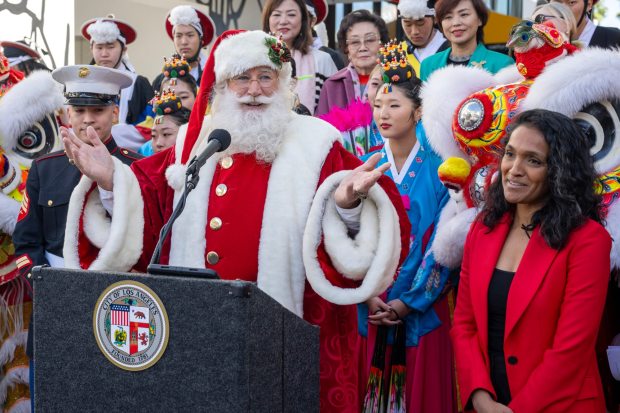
[233, 53]
[108, 30]
[191, 16]
[416, 9]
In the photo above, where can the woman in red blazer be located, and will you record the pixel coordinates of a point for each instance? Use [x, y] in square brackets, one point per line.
[534, 278]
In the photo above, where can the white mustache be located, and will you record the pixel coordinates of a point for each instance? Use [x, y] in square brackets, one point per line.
[265, 100]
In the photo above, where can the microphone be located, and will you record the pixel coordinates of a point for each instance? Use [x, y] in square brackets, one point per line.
[219, 140]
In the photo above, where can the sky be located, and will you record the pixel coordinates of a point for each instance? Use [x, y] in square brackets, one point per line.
[613, 8]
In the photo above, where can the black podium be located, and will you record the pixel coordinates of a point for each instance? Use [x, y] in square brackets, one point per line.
[231, 348]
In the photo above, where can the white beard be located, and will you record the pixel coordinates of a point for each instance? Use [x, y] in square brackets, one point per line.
[260, 130]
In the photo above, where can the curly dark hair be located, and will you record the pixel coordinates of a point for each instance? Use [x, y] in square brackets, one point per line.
[360, 16]
[443, 7]
[570, 176]
[304, 39]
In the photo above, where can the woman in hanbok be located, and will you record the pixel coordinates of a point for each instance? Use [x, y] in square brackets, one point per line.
[416, 302]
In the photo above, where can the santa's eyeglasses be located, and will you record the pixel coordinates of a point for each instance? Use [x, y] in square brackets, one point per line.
[265, 81]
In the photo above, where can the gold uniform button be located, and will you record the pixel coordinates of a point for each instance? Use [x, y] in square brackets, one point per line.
[221, 190]
[50, 203]
[212, 257]
[125, 152]
[215, 223]
[226, 162]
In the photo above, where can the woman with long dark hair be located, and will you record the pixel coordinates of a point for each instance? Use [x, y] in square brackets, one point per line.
[534, 278]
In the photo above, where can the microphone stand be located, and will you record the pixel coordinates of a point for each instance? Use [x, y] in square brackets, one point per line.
[191, 181]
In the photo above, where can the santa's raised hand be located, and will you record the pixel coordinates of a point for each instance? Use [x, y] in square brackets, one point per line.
[92, 157]
[356, 185]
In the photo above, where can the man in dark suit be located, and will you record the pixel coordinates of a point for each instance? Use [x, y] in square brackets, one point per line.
[589, 33]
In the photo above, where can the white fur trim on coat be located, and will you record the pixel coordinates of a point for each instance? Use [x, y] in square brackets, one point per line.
[444, 90]
[415, 9]
[26, 103]
[351, 257]
[452, 229]
[292, 184]
[242, 52]
[119, 239]
[383, 262]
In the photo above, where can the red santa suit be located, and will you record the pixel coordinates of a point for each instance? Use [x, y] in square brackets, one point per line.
[260, 222]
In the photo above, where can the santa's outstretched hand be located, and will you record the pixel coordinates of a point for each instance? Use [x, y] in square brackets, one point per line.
[92, 159]
[356, 185]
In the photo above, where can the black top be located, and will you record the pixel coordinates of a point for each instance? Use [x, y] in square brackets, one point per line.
[498, 298]
[458, 63]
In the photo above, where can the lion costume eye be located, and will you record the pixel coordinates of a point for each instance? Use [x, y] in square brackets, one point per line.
[39, 139]
[600, 123]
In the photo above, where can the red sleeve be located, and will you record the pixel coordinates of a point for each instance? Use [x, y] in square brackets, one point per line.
[340, 159]
[472, 370]
[158, 200]
[577, 327]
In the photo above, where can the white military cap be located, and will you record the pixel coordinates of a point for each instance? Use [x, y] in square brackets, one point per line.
[87, 85]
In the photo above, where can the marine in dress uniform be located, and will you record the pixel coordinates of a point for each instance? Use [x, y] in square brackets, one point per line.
[40, 229]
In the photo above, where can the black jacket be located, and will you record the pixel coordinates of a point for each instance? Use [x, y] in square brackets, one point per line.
[605, 37]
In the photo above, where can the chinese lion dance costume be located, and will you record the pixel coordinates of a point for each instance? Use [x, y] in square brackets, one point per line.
[29, 128]
[467, 126]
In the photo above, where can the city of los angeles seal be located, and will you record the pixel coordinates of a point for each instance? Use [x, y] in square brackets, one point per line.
[131, 325]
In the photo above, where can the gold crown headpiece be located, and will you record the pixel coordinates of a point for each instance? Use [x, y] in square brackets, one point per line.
[175, 67]
[394, 65]
[165, 103]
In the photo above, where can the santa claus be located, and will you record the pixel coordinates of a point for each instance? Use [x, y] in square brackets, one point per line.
[285, 203]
